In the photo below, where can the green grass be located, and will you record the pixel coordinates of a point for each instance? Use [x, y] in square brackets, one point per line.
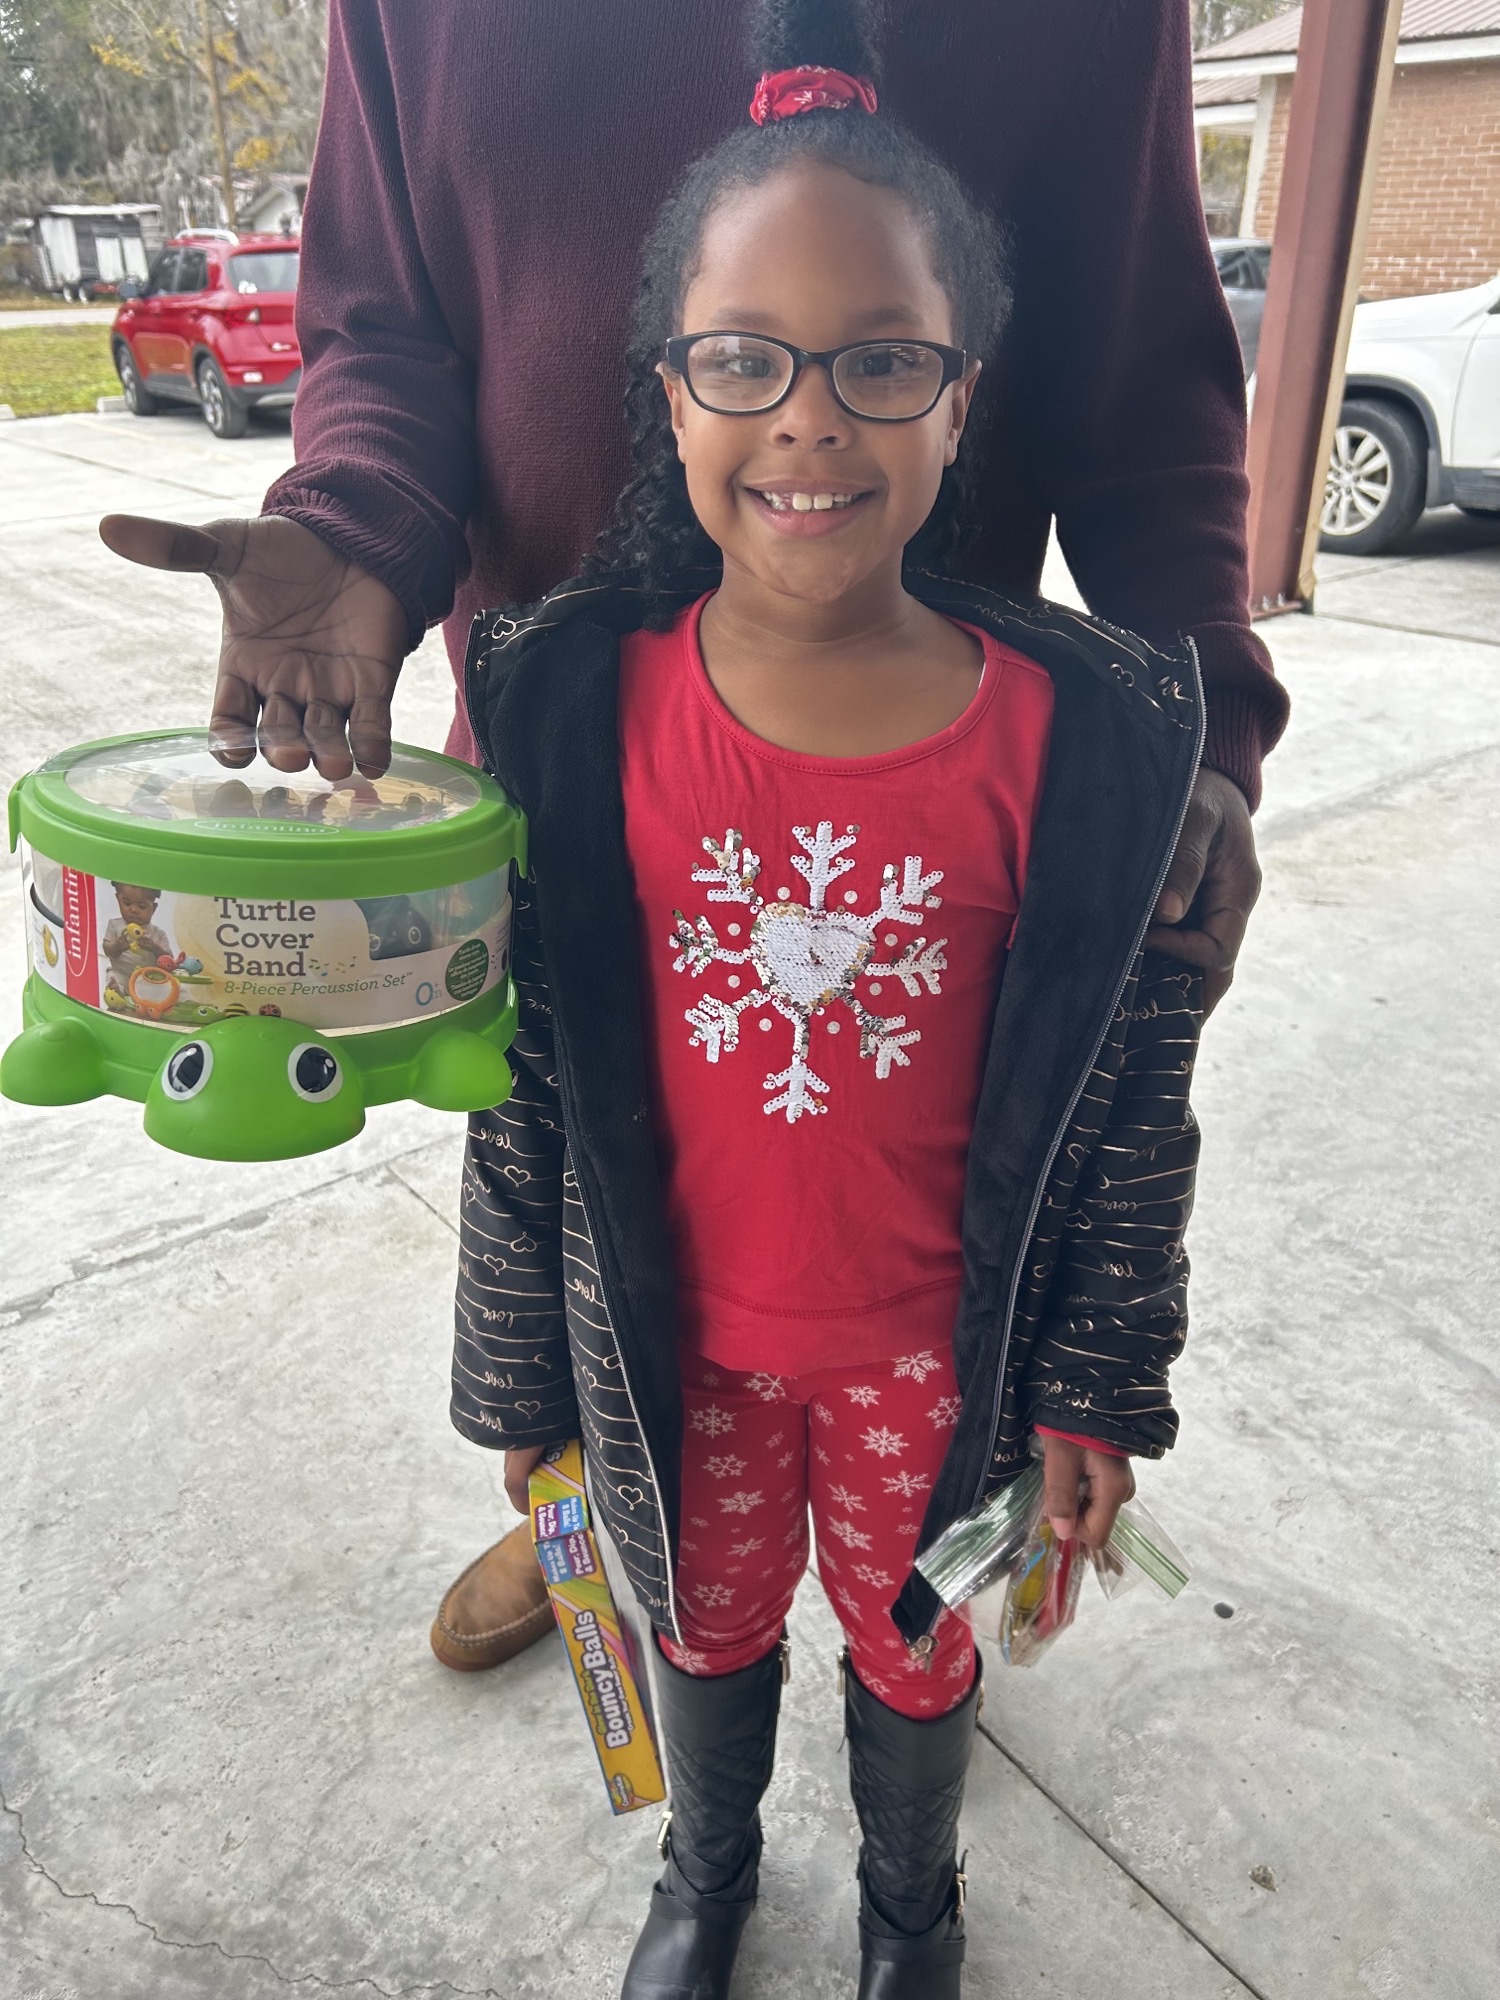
[47, 370]
[22, 298]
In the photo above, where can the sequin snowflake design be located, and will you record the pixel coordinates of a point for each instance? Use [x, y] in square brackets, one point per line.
[806, 957]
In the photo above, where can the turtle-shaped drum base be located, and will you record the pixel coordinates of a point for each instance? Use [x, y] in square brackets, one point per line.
[258, 1087]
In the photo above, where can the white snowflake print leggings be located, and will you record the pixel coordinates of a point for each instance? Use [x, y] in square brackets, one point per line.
[860, 1448]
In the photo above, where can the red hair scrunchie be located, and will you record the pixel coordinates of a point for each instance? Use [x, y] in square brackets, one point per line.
[782, 93]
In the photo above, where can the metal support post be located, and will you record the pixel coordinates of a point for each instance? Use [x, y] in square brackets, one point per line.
[1345, 60]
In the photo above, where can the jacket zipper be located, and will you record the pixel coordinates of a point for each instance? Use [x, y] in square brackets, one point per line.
[925, 1643]
[668, 1566]
[471, 671]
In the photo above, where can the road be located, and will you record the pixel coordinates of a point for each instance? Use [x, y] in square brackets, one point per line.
[229, 1762]
[60, 316]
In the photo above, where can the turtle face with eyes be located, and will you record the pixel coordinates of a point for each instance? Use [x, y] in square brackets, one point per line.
[259, 1088]
[247, 1086]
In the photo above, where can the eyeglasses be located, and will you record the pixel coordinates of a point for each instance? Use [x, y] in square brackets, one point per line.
[746, 374]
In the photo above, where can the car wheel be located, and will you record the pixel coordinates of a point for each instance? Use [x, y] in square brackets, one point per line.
[138, 398]
[224, 416]
[1377, 480]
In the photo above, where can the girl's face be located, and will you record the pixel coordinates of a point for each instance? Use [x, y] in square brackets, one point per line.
[816, 258]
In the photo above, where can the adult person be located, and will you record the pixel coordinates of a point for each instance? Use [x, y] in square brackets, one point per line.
[482, 181]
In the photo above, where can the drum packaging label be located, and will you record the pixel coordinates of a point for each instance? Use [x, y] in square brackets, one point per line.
[178, 960]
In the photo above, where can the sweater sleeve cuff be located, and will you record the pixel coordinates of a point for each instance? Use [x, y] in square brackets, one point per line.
[1233, 742]
[1247, 705]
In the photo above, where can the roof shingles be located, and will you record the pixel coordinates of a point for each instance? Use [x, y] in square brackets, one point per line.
[1421, 21]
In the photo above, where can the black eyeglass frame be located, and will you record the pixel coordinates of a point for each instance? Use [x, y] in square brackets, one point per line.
[955, 361]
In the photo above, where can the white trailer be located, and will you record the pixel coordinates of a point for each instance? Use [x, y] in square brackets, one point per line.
[81, 251]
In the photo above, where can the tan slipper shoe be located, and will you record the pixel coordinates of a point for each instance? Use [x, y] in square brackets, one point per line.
[496, 1609]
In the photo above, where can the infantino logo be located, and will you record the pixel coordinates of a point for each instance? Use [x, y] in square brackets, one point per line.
[77, 921]
[610, 1705]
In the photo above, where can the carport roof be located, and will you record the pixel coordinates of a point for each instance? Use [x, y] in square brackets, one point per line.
[1421, 21]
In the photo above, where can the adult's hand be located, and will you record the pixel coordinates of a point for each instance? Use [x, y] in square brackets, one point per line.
[311, 644]
[1211, 886]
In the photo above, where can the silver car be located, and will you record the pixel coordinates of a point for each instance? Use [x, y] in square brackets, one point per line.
[1243, 264]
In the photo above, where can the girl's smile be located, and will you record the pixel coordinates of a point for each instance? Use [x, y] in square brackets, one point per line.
[811, 507]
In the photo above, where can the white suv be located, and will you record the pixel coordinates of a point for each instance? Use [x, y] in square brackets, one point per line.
[1420, 425]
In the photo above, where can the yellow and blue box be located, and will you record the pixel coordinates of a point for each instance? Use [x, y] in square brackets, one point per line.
[597, 1643]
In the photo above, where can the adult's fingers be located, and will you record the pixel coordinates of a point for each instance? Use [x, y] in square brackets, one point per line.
[1211, 887]
[1212, 942]
[1187, 869]
[282, 741]
[1217, 931]
[162, 544]
[1213, 952]
[323, 732]
[370, 734]
[231, 724]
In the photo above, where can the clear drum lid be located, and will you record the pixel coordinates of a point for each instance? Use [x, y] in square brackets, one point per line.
[178, 779]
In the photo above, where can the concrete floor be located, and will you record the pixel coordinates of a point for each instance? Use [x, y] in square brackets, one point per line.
[230, 1765]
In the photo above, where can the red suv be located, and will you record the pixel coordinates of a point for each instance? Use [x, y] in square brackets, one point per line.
[212, 325]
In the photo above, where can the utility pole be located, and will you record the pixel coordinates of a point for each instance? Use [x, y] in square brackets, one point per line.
[226, 178]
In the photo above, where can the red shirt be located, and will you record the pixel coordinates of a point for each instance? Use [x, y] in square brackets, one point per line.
[821, 947]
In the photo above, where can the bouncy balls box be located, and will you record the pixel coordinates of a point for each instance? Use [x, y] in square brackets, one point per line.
[596, 1643]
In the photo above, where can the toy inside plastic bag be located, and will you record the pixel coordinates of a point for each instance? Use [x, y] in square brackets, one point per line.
[1016, 1582]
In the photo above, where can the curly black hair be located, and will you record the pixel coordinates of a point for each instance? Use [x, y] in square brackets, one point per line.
[654, 531]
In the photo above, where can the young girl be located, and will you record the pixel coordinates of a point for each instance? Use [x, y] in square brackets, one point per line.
[850, 1140]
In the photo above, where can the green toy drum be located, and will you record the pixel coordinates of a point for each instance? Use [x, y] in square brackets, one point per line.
[258, 956]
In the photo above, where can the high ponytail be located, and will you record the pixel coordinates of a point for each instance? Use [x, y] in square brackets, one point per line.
[655, 532]
[833, 34]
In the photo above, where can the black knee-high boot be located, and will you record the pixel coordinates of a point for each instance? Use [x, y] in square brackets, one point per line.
[720, 1736]
[908, 1783]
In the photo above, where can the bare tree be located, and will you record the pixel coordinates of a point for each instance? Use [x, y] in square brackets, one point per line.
[110, 98]
[1216, 20]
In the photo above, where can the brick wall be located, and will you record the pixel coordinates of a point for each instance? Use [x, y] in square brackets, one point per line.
[1435, 222]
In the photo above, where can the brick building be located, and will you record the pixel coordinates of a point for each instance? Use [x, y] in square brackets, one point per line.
[1435, 217]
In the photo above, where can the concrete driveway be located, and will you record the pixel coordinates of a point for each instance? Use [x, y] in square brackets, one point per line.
[58, 316]
[230, 1766]
[1442, 579]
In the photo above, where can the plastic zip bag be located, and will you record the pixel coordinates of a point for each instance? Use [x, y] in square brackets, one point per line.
[1015, 1582]
[1040, 1597]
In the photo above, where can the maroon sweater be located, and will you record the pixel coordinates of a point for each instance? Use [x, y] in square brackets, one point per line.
[483, 179]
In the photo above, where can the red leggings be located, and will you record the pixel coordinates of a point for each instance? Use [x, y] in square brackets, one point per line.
[860, 1447]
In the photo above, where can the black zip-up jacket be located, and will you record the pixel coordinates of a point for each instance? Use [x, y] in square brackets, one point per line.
[1081, 1164]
